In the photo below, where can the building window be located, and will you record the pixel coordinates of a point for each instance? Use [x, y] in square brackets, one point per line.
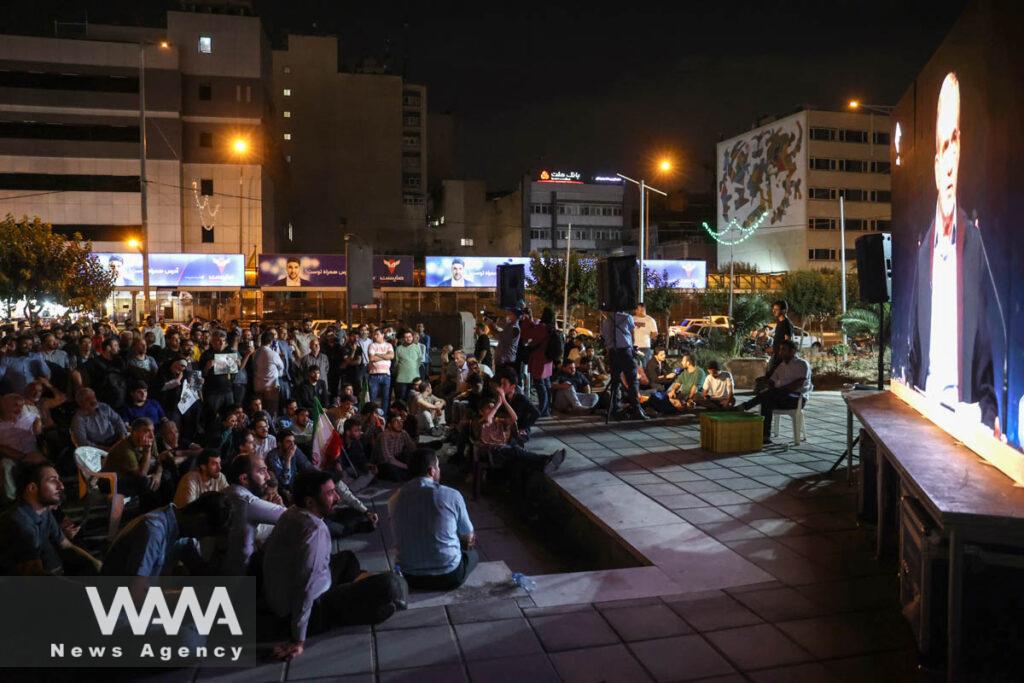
[617, 211]
[821, 193]
[882, 138]
[854, 195]
[207, 234]
[287, 114]
[856, 224]
[206, 187]
[853, 166]
[823, 133]
[287, 69]
[819, 164]
[881, 167]
[466, 242]
[847, 135]
[883, 224]
[410, 180]
[206, 139]
[561, 210]
[248, 93]
[411, 139]
[288, 158]
[205, 44]
[883, 196]
[822, 224]
[411, 120]
[821, 254]
[287, 136]
[205, 91]
[287, 92]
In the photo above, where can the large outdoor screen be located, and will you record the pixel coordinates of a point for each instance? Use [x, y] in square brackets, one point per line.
[177, 270]
[468, 271]
[328, 270]
[681, 274]
[958, 253]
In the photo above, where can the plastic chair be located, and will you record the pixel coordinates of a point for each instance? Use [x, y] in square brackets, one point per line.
[797, 417]
[89, 461]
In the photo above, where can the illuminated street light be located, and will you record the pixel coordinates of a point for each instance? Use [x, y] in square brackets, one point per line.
[854, 104]
[164, 44]
[133, 243]
[665, 165]
[240, 145]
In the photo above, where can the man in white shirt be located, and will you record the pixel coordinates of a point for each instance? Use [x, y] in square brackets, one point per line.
[158, 332]
[644, 328]
[302, 339]
[249, 510]
[269, 368]
[204, 478]
[790, 384]
[718, 388]
[379, 355]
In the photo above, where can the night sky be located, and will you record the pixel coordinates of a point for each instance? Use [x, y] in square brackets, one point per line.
[569, 85]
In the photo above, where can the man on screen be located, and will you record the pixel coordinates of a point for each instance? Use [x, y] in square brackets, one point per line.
[951, 345]
[458, 277]
[293, 274]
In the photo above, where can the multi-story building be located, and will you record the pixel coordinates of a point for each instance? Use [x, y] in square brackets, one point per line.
[779, 186]
[467, 220]
[357, 143]
[70, 143]
[595, 208]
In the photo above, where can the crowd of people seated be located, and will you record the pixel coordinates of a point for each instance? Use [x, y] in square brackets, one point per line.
[243, 448]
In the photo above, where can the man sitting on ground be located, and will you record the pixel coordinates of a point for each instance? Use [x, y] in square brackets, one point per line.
[305, 584]
[687, 385]
[790, 383]
[572, 390]
[435, 537]
[496, 431]
[393, 448]
[659, 373]
[151, 545]
[718, 388]
[249, 509]
[206, 477]
[428, 409]
[32, 543]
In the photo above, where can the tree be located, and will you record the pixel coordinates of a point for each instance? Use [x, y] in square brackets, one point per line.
[37, 264]
[659, 295]
[808, 293]
[547, 281]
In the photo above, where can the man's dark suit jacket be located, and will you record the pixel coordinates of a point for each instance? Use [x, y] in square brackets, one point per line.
[977, 384]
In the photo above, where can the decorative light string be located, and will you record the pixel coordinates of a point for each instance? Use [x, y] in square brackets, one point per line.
[203, 204]
[745, 233]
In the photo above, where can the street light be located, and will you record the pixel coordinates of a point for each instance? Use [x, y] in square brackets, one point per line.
[240, 147]
[641, 248]
[143, 189]
[856, 105]
[140, 246]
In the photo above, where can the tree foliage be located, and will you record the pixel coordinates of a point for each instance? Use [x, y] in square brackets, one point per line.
[37, 264]
[659, 295]
[547, 280]
[817, 294]
[740, 268]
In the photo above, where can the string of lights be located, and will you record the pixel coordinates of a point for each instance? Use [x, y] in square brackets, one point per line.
[745, 233]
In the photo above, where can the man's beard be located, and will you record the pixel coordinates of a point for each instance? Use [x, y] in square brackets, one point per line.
[258, 490]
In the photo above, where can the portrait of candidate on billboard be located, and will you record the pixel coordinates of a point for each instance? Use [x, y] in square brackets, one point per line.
[302, 270]
[467, 271]
[176, 270]
[957, 254]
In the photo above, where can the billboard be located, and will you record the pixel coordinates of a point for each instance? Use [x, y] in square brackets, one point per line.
[328, 270]
[681, 274]
[468, 271]
[762, 181]
[177, 270]
[958, 260]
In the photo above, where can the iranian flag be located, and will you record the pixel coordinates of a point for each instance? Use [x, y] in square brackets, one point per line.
[326, 440]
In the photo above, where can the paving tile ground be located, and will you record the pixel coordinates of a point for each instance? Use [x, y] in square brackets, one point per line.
[759, 572]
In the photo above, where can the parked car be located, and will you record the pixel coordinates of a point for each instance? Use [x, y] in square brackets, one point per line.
[580, 329]
[804, 340]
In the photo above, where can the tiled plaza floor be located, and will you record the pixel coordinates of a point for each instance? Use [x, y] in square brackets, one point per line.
[756, 570]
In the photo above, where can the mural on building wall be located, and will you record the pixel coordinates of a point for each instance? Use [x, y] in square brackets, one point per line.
[762, 173]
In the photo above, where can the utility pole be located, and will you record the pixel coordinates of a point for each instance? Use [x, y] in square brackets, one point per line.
[144, 195]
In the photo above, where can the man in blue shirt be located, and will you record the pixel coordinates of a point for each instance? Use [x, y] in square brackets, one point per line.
[152, 544]
[617, 330]
[22, 367]
[432, 527]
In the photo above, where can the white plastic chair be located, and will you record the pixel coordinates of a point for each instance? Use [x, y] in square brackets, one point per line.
[89, 461]
[796, 415]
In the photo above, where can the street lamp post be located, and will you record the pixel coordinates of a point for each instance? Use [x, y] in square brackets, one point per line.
[240, 146]
[642, 241]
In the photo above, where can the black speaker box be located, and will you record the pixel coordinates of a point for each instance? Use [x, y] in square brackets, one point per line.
[874, 267]
[511, 288]
[618, 283]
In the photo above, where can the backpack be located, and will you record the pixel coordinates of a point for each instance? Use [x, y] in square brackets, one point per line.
[555, 347]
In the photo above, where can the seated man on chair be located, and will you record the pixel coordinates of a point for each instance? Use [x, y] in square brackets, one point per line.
[789, 385]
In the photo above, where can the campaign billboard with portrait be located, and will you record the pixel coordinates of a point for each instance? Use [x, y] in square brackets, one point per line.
[176, 270]
[958, 259]
[468, 271]
[328, 270]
